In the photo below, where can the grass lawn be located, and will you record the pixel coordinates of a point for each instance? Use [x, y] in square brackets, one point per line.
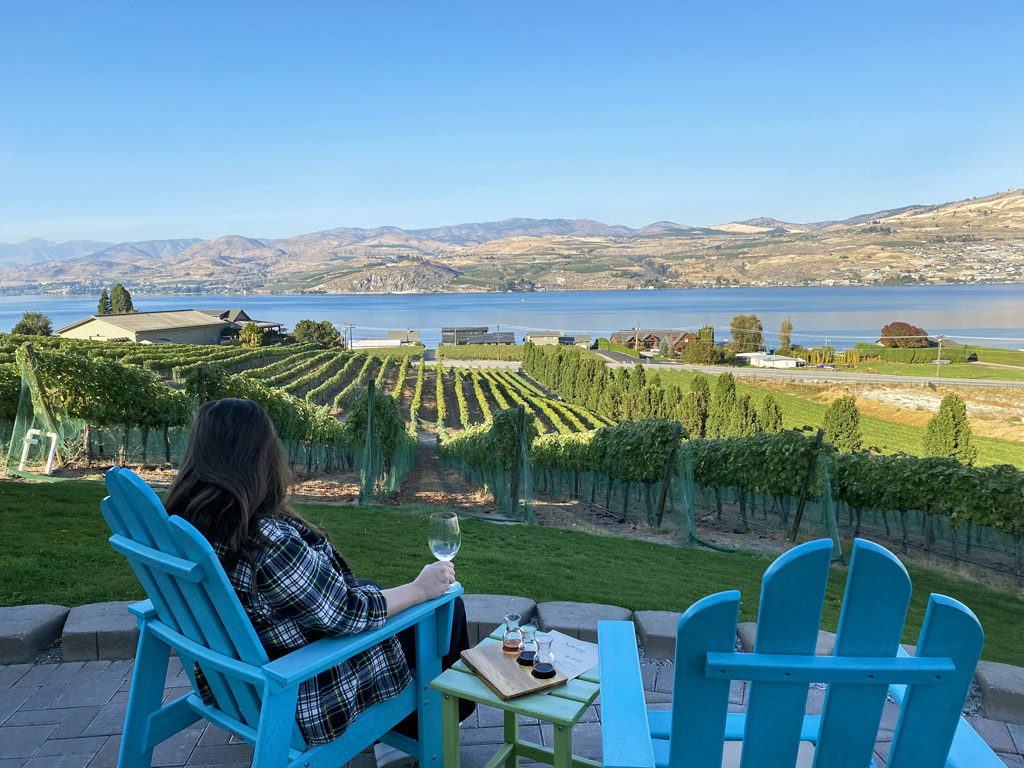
[887, 436]
[948, 371]
[55, 551]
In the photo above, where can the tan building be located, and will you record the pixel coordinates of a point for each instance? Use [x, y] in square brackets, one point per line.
[183, 326]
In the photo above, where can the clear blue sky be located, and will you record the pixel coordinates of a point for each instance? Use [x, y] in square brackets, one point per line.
[137, 120]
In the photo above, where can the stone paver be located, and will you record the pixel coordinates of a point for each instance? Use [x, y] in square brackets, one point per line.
[26, 631]
[1002, 688]
[657, 632]
[485, 612]
[578, 619]
[100, 631]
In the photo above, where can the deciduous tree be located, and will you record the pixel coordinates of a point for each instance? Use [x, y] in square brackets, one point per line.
[747, 334]
[33, 324]
[251, 335]
[785, 336]
[905, 335]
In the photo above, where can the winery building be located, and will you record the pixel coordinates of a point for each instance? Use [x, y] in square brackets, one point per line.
[175, 326]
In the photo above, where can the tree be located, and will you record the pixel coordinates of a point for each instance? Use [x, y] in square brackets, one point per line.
[785, 336]
[665, 349]
[305, 330]
[747, 334]
[104, 305]
[120, 300]
[251, 335]
[33, 324]
[720, 409]
[326, 333]
[842, 425]
[949, 433]
[769, 416]
[701, 352]
[707, 333]
[904, 335]
[743, 419]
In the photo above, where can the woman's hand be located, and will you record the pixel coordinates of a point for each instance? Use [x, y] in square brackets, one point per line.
[432, 582]
[435, 579]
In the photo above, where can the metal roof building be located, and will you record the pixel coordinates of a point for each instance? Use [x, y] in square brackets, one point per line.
[176, 326]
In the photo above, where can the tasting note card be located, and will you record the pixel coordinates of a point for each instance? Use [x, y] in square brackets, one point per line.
[572, 657]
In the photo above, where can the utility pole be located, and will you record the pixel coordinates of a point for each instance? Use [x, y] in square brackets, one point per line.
[938, 362]
[499, 343]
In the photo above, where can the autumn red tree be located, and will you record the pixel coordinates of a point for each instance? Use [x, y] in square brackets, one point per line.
[904, 335]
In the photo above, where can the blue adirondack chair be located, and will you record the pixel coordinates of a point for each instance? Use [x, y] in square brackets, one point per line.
[193, 609]
[867, 664]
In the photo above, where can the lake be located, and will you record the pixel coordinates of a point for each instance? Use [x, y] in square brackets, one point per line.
[989, 315]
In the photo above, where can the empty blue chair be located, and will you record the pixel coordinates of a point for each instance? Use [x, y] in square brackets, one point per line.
[867, 665]
[192, 608]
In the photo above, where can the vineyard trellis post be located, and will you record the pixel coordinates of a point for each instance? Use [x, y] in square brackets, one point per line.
[368, 445]
[805, 488]
[666, 477]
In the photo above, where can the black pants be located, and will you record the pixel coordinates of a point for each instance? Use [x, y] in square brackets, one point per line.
[460, 642]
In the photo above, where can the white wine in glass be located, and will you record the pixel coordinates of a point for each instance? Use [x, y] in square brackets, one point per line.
[444, 535]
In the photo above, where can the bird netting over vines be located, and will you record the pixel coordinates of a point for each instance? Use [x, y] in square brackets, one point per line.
[496, 455]
[385, 450]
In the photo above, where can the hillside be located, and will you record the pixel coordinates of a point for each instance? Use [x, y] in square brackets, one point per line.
[979, 240]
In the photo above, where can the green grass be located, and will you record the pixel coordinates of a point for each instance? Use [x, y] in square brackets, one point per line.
[55, 551]
[887, 436]
[948, 371]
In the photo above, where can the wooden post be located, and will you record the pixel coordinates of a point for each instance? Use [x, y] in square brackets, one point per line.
[28, 361]
[805, 488]
[666, 476]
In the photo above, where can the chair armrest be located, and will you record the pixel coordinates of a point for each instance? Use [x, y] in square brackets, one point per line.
[143, 609]
[625, 732]
[303, 663]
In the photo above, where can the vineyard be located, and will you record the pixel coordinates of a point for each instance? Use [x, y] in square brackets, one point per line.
[624, 442]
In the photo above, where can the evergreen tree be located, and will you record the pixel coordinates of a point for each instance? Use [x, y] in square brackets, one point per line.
[720, 408]
[700, 384]
[693, 413]
[842, 425]
[104, 305]
[785, 336]
[770, 415]
[743, 419]
[707, 333]
[33, 324]
[326, 333]
[120, 300]
[949, 433]
[611, 401]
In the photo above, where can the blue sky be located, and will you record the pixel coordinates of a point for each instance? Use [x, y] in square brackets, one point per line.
[138, 120]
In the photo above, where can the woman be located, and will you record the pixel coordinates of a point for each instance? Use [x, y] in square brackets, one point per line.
[232, 485]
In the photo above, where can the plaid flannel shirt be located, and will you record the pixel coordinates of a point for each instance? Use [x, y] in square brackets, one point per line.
[301, 590]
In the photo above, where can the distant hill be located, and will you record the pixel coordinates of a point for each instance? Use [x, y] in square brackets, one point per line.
[966, 241]
[37, 251]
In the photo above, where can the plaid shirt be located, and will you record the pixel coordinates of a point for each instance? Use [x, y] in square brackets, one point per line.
[300, 590]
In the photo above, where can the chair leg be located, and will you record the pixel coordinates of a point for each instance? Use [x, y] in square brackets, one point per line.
[276, 718]
[144, 698]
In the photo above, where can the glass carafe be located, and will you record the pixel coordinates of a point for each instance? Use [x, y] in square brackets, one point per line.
[528, 652]
[544, 664]
[512, 638]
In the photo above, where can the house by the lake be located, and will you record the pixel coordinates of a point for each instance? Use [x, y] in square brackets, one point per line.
[650, 339]
[172, 326]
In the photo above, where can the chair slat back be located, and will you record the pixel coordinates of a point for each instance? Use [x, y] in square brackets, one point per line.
[870, 625]
[699, 715]
[930, 715]
[207, 612]
[788, 620]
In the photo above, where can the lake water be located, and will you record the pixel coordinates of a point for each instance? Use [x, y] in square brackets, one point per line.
[990, 315]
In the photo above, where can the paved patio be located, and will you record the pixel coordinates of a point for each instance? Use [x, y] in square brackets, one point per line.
[70, 715]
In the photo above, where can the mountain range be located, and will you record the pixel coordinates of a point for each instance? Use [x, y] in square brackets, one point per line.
[976, 239]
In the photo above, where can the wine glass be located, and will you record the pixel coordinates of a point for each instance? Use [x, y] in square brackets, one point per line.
[444, 537]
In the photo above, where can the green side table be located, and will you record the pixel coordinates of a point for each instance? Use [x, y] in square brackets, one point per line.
[563, 708]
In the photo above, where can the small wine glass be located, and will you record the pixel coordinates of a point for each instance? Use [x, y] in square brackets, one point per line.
[444, 537]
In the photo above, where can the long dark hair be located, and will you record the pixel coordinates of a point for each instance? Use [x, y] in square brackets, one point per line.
[234, 473]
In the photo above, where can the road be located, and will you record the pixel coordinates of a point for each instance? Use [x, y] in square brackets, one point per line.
[812, 375]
